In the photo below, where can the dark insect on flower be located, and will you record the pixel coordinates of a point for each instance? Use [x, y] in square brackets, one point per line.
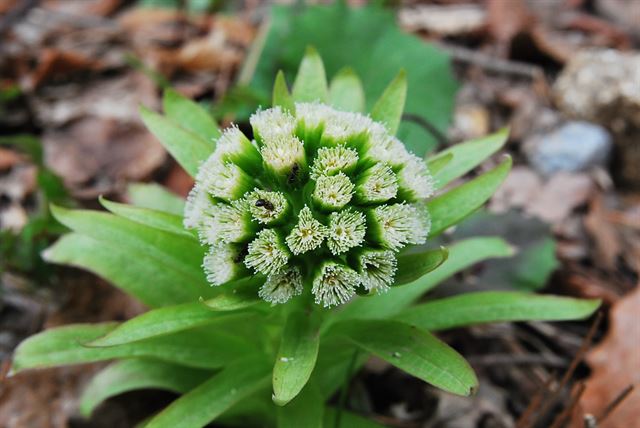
[264, 203]
[293, 175]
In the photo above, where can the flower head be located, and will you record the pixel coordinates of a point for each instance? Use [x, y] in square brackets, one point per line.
[321, 199]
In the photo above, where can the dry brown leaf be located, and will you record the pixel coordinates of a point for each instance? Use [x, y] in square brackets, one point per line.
[508, 18]
[98, 156]
[8, 158]
[615, 365]
[563, 193]
[606, 239]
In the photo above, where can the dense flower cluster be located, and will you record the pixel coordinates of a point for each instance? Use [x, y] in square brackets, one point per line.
[319, 197]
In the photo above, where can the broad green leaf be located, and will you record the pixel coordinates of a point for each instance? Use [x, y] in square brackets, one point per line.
[453, 206]
[414, 264]
[155, 197]
[187, 148]
[146, 279]
[389, 107]
[149, 217]
[311, 82]
[167, 320]
[335, 359]
[368, 40]
[296, 357]
[306, 410]
[495, 306]
[190, 115]
[346, 92]
[467, 156]
[462, 255]
[415, 351]
[178, 252]
[347, 419]
[212, 398]
[281, 96]
[130, 375]
[198, 348]
[437, 164]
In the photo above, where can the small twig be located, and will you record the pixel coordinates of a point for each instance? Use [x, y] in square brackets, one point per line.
[614, 403]
[559, 421]
[428, 126]
[553, 397]
[535, 403]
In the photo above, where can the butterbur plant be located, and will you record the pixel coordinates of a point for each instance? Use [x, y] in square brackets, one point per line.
[305, 246]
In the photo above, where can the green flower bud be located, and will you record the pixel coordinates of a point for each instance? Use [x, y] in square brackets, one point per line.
[376, 185]
[268, 208]
[377, 268]
[223, 263]
[346, 230]
[282, 286]
[332, 192]
[394, 226]
[267, 253]
[308, 234]
[332, 160]
[334, 283]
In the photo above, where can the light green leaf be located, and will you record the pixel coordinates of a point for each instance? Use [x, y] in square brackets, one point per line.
[416, 352]
[212, 398]
[348, 419]
[130, 375]
[389, 107]
[311, 81]
[190, 115]
[495, 306]
[155, 197]
[462, 255]
[167, 320]
[296, 357]
[178, 252]
[199, 348]
[306, 410]
[147, 279]
[453, 206]
[281, 96]
[346, 92]
[467, 156]
[149, 217]
[187, 148]
[414, 264]
[437, 164]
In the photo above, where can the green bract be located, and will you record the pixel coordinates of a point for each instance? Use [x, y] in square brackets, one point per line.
[318, 206]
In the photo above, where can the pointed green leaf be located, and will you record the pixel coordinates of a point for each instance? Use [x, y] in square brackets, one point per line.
[154, 196]
[414, 264]
[167, 320]
[311, 81]
[190, 115]
[199, 348]
[346, 92]
[240, 294]
[415, 351]
[462, 255]
[467, 156]
[389, 107]
[296, 357]
[495, 306]
[179, 252]
[153, 218]
[281, 96]
[306, 410]
[113, 262]
[130, 375]
[452, 207]
[186, 147]
[437, 164]
[215, 396]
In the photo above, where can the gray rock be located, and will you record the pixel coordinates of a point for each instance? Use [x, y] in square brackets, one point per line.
[576, 146]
